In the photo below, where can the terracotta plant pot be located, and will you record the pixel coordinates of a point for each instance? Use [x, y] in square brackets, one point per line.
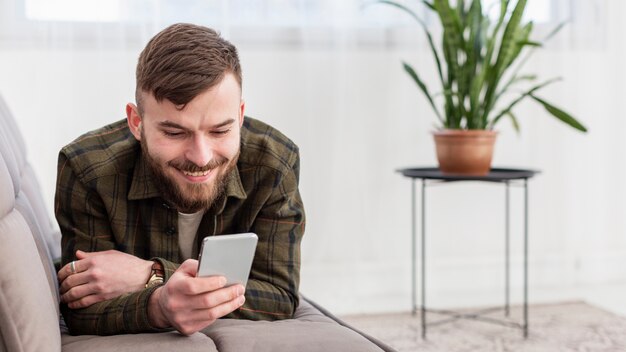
[465, 152]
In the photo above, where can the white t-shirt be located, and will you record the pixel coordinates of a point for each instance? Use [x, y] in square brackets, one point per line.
[187, 231]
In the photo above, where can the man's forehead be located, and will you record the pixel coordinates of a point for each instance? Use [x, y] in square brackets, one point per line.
[228, 80]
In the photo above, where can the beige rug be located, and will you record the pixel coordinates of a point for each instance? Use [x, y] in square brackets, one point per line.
[564, 327]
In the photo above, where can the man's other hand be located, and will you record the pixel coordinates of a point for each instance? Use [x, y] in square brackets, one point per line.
[189, 303]
[100, 276]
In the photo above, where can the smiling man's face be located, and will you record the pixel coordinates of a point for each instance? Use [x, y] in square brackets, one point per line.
[191, 151]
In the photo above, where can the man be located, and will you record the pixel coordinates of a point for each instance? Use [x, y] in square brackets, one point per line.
[135, 198]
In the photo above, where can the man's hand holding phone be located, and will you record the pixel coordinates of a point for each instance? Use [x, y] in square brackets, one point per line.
[189, 303]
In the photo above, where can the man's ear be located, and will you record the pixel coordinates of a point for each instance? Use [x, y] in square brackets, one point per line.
[242, 108]
[134, 120]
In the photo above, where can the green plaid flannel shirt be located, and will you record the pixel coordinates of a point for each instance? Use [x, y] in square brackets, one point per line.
[106, 199]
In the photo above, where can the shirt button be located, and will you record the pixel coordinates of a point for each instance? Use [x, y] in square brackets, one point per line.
[170, 231]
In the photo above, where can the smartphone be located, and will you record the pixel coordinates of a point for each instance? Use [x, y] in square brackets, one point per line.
[229, 256]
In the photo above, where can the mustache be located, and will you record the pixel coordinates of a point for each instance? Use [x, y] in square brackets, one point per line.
[189, 166]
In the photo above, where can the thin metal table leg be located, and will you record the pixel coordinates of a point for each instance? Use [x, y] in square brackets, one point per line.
[525, 258]
[507, 253]
[423, 259]
[413, 250]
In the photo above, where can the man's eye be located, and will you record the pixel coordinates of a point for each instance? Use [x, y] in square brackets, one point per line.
[220, 133]
[173, 134]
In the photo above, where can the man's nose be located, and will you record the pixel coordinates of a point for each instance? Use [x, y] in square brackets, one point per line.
[199, 151]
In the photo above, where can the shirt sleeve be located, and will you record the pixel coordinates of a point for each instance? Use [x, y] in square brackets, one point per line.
[272, 290]
[84, 224]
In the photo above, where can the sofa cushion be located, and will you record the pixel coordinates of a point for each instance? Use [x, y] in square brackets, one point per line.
[28, 313]
[165, 341]
[310, 330]
[49, 231]
[28, 316]
[24, 207]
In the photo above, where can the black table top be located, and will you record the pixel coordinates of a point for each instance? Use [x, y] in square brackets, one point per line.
[495, 175]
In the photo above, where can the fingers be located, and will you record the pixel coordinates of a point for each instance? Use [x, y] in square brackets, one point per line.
[195, 313]
[216, 298]
[84, 296]
[209, 315]
[73, 280]
[85, 301]
[190, 303]
[75, 266]
[74, 293]
[200, 285]
[66, 271]
[82, 255]
[226, 307]
[188, 284]
[189, 267]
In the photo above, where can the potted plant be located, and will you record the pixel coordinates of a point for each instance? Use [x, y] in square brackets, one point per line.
[478, 62]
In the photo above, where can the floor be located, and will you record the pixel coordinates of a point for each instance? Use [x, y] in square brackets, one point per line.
[608, 297]
[571, 330]
[563, 327]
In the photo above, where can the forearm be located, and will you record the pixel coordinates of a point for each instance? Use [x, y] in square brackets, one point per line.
[265, 301]
[125, 314]
[156, 317]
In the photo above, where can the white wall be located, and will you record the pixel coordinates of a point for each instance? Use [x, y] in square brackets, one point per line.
[357, 117]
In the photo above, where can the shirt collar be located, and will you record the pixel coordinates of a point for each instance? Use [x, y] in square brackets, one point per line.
[143, 184]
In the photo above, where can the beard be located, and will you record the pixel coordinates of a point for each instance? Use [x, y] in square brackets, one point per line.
[189, 197]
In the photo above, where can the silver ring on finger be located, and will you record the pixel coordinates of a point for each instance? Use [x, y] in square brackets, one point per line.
[73, 267]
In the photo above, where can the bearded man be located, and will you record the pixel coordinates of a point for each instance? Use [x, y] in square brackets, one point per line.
[135, 198]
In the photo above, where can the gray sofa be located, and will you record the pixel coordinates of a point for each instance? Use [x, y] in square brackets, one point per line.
[29, 296]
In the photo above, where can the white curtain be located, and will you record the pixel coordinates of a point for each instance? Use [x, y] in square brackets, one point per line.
[328, 74]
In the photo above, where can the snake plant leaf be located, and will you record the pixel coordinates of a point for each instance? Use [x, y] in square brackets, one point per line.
[514, 121]
[478, 61]
[475, 25]
[520, 98]
[525, 78]
[452, 42]
[530, 52]
[535, 45]
[560, 114]
[473, 50]
[429, 5]
[460, 10]
[530, 43]
[429, 36]
[479, 82]
[507, 48]
[424, 89]
[521, 40]
[512, 81]
[554, 31]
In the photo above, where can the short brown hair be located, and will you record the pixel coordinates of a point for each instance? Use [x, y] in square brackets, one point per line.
[182, 61]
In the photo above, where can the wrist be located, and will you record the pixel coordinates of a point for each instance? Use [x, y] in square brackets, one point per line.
[156, 318]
